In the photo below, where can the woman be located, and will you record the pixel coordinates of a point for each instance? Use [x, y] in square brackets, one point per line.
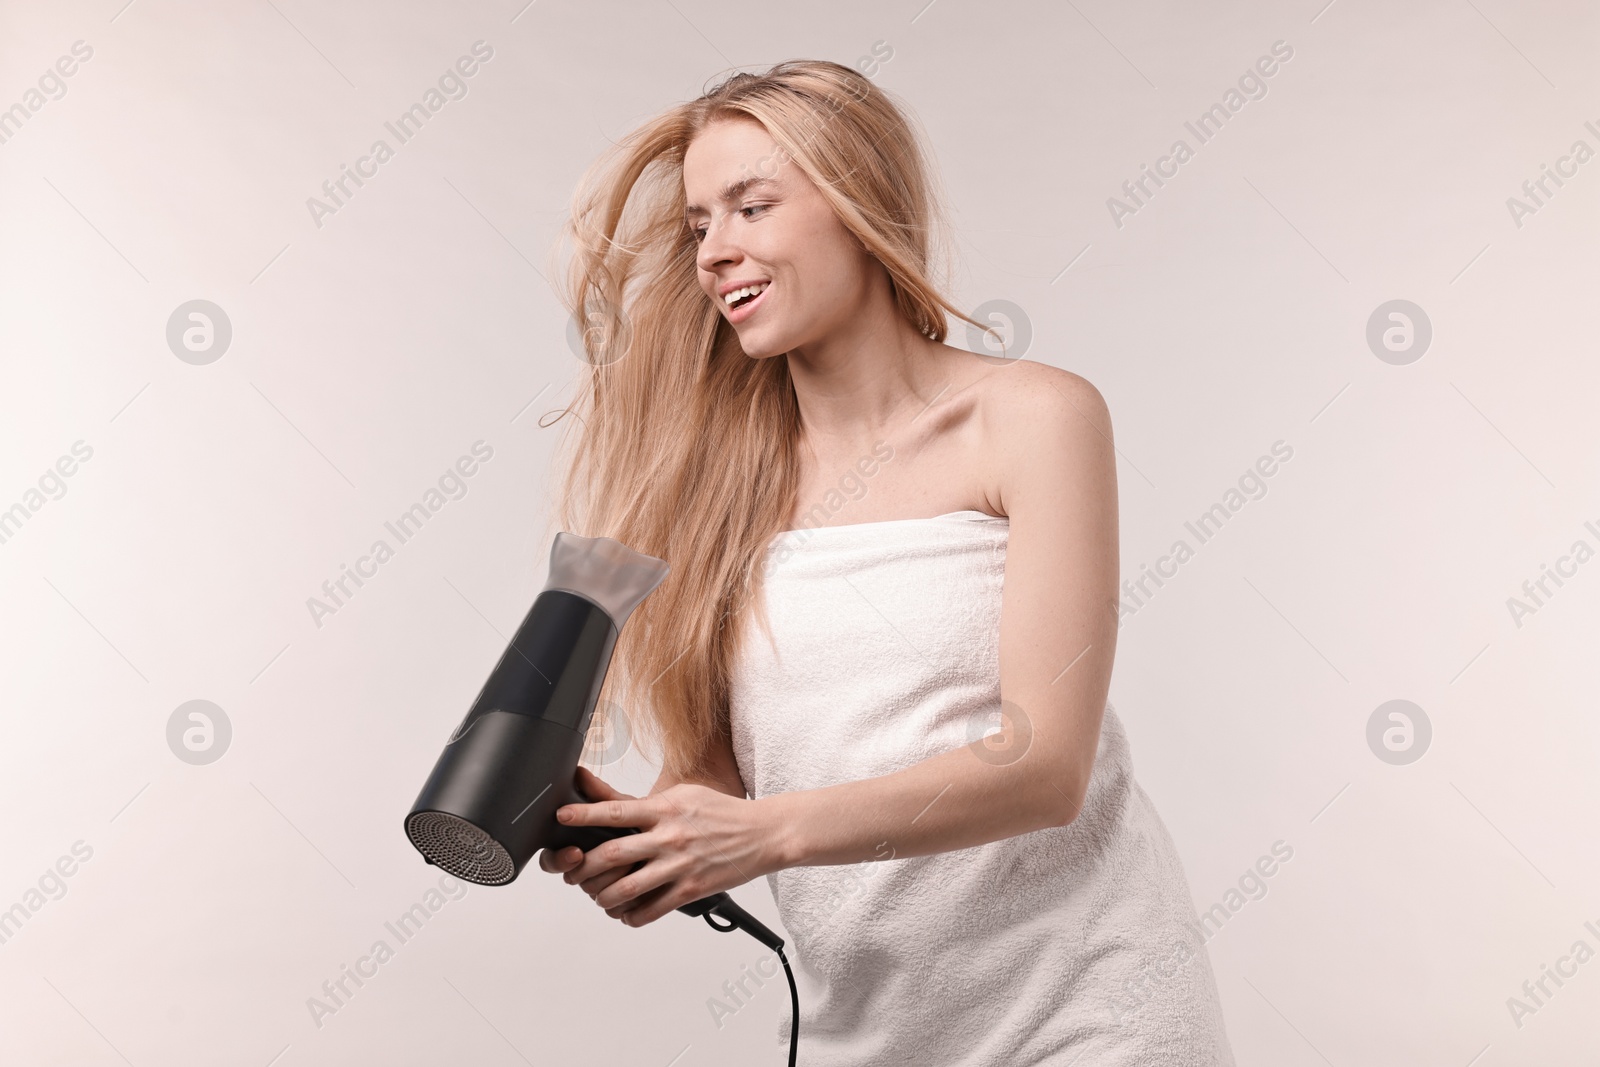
[928, 540]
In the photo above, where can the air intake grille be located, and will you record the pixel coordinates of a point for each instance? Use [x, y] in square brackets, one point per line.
[460, 848]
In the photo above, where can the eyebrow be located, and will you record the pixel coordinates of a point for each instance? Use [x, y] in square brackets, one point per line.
[732, 191]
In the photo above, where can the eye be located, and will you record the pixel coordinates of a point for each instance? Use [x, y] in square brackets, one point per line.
[700, 234]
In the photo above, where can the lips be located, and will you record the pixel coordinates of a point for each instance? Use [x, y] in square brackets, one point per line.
[748, 308]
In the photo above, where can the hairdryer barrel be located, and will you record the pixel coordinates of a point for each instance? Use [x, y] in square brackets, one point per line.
[491, 800]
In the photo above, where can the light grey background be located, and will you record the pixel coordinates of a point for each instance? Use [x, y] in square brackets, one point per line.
[369, 352]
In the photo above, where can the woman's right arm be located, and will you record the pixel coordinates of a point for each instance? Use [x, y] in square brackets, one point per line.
[723, 776]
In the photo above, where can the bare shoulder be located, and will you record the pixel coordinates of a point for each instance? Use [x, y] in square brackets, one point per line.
[1000, 428]
[1027, 398]
[1039, 423]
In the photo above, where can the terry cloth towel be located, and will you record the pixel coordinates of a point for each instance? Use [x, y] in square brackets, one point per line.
[1075, 944]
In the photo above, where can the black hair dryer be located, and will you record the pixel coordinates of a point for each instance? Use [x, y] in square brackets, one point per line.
[490, 803]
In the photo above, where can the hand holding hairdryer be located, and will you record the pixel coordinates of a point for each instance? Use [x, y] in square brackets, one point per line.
[490, 802]
[690, 834]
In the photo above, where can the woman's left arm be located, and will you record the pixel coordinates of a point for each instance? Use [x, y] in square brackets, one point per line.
[1053, 446]
[1051, 440]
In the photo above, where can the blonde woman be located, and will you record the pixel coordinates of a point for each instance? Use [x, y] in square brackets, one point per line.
[877, 673]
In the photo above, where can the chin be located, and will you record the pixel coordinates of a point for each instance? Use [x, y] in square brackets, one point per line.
[758, 350]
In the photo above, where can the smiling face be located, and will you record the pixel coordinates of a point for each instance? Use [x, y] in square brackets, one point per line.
[758, 220]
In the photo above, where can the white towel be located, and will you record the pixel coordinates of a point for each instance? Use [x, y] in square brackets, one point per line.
[1075, 944]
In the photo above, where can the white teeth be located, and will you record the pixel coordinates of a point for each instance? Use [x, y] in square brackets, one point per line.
[749, 290]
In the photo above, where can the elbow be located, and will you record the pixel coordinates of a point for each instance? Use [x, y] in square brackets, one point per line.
[1064, 799]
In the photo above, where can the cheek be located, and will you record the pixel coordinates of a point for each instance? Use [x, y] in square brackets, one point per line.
[837, 262]
[832, 278]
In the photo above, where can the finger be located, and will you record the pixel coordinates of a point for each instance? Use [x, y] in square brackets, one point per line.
[635, 886]
[614, 812]
[647, 907]
[594, 885]
[620, 853]
[560, 860]
[593, 864]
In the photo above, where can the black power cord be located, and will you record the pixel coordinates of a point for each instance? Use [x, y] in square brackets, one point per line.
[794, 993]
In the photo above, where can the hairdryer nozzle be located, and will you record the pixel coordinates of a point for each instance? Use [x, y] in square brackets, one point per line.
[606, 571]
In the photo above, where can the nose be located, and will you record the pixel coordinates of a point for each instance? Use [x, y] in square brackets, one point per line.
[716, 247]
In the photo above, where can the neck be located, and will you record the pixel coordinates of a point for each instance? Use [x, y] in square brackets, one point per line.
[863, 381]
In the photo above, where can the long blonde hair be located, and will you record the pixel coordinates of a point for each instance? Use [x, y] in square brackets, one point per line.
[686, 448]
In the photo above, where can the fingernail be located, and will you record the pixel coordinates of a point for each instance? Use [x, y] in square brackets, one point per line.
[563, 814]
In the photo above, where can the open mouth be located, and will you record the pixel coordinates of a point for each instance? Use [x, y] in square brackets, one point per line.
[743, 306]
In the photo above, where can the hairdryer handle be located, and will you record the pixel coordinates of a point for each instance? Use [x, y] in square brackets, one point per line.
[588, 837]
